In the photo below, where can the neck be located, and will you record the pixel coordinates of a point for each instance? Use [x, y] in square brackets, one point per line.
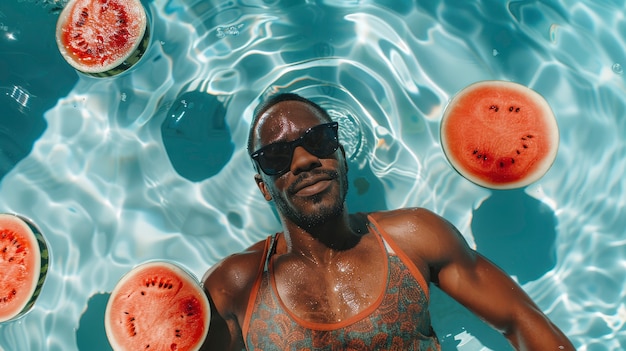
[321, 244]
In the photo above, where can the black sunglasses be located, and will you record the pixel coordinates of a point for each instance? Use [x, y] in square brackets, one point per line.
[275, 158]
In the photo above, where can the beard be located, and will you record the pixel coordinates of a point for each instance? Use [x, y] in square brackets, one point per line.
[322, 212]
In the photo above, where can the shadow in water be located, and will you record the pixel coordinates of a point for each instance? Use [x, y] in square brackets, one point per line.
[196, 137]
[516, 232]
[91, 335]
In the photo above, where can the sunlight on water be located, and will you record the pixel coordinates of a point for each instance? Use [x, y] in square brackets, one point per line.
[128, 169]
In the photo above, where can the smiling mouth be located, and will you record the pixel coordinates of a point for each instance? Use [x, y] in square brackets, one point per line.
[314, 188]
[313, 184]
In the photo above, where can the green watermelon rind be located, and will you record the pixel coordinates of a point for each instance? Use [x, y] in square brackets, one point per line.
[43, 264]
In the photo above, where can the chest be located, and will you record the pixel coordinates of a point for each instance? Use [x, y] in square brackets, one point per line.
[331, 293]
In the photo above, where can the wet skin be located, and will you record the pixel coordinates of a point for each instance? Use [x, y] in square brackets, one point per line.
[327, 263]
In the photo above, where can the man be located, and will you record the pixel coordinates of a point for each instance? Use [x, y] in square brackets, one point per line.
[338, 281]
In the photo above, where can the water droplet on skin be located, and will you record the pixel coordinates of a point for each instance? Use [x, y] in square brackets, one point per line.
[617, 69]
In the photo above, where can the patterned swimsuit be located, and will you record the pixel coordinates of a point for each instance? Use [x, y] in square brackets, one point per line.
[398, 320]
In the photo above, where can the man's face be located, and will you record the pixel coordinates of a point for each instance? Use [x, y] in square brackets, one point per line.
[313, 189]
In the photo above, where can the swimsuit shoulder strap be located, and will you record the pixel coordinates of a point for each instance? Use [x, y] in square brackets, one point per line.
[270, 243]
[391, 245]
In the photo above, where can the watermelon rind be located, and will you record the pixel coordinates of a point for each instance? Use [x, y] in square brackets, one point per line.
[43, 264]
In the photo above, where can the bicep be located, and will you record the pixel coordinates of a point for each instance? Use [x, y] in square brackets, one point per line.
[482, 287]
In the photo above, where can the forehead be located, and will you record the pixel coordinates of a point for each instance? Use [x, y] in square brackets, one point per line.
[286, 120]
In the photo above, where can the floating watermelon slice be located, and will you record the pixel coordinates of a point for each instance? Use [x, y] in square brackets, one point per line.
[499, 134]
[157, 306]
[102, 38]
[23, 265]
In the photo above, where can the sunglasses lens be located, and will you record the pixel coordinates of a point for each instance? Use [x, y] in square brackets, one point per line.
[275, 158]
[321, 141]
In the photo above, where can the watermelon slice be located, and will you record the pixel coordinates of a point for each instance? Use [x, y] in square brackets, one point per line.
[499, 134]
[23, 263]
[102, 38]
[157, 306]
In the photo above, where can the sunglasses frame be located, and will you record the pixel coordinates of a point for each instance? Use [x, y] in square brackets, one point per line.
[300, 141]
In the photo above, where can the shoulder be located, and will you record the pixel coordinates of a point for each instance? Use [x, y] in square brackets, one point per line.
[424, 235]
[229, 282]
[414, 223]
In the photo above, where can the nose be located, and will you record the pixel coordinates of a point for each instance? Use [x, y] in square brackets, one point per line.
[303, 161]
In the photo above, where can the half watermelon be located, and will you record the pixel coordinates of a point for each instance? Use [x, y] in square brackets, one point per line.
[103, 38]
[157, 306]
[499, 134]
[23, 263]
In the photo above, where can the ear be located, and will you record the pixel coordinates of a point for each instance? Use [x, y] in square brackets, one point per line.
[261, 184]
[343, 153]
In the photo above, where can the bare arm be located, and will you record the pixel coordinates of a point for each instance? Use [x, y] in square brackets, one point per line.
[494, 297]
[228, 285]
[477, 283]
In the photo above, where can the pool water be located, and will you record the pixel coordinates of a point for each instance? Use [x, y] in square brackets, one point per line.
[151, 164]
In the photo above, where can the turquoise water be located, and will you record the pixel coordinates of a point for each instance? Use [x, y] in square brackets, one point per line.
[152, 164]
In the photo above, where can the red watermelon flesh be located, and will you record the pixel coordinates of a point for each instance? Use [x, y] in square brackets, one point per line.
[499, 134]
[23, 263]
[102, 37]
[157, 306]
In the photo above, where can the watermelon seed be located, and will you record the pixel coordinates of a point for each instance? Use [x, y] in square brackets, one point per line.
[494, 107]
[148, 346]
[517, 152]
[525, 146]
[143, 292]
[125, 312]
[512, 160]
